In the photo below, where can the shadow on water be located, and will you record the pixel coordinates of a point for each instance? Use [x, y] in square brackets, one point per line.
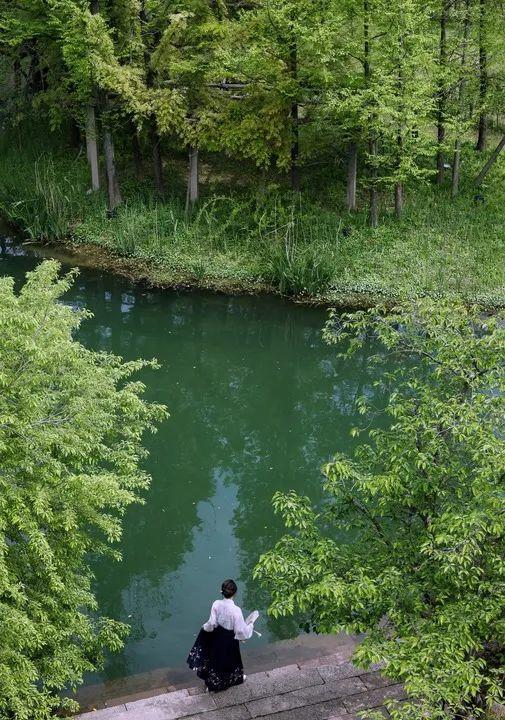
[257, 403]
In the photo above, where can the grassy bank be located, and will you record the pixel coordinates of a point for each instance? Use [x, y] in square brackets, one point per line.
[259, 236]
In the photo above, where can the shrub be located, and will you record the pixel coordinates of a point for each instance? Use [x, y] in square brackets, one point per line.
[408, 546]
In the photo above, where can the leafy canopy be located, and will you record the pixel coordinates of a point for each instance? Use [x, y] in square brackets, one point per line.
[71, 425]
[409, 545]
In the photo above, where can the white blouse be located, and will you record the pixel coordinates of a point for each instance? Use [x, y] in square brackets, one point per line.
[229, 616]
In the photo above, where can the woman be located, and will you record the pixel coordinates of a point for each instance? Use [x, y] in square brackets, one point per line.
[216, 653]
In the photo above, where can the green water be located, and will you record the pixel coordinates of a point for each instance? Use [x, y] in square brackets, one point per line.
[257, 403]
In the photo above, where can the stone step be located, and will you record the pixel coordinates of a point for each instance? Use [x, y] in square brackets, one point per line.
[334, 690]
[306, 696]
[271, 682]
[305, 650]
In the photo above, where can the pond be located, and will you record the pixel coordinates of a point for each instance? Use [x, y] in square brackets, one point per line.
[257, 403]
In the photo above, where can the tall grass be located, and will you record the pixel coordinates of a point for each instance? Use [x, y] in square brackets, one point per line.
[42, 192]
[299, 246]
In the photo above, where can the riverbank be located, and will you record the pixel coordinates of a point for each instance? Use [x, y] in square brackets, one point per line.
[153, 275]
[259, 238]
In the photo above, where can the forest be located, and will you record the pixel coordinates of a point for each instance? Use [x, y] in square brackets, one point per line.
[306, 145]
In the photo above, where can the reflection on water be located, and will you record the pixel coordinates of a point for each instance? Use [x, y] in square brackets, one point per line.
[257, 403]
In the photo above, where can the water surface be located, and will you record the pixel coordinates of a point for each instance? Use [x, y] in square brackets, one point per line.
[257, 403]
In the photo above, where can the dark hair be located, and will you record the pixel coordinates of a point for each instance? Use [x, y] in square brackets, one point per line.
[228, 589]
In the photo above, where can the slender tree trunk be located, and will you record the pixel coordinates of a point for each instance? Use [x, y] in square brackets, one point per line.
[399, 136]
[374, 201]
[352, 171]
[136, 153]
[372, 139]
[154, 137]
[483, 78]
[295, 140]
[92, 146]
[487, 167]
[16, 76]
[36, 74]
[192, 190]
[91, 133]
[74, 134]
[399, 199]
[399, 183]
[366, 42]
[157, 160]
[441, 95]
[456, 163]
[295, 149]
[113, 192]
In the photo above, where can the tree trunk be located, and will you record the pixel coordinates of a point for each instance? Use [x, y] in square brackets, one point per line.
[366, 41]
[399, 200]
[374, 204]
[295, 137]
[91, 134]
[374, 209]
[74, 133]
[487, 167]
[92, 146]
[456, 163]
[372, 140]
[482, 134]
[16, 76]
[441, 95]
[136, 153]
[192, 191]
[295, 149]
[153, 134]
[352, 170]
[399, 137]
[35, 74]
[157, 160]
[483, 78]
[113, 192]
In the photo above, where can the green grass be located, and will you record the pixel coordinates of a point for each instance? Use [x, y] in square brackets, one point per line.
[263, 237]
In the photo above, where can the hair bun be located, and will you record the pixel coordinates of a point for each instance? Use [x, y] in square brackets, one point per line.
[228, 589]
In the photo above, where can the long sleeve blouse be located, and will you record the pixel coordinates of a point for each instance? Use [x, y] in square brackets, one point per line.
[229, 616]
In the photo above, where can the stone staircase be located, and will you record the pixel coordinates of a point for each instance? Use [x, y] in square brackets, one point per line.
[323, 688]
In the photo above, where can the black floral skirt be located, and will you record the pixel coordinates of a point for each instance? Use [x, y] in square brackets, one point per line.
[216, 658]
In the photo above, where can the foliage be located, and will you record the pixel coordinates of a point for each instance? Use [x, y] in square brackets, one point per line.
[280, 83]
[387, 96]
[71, 425]
[269, 49]
[408, 545]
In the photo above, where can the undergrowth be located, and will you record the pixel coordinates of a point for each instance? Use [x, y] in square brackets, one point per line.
[299, 246]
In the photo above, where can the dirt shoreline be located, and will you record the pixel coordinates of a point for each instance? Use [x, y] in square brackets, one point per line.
[158, 276]
[152, 275]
